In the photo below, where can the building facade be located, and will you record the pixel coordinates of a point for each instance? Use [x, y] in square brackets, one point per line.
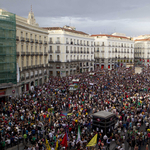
[70, 51]
[142, 50]
[24, 54]
[7, 52]
[32, 53]
[113, 50]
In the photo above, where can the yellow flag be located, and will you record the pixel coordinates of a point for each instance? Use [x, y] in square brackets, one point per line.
[47, 145]
[93, 141]
[56, 145]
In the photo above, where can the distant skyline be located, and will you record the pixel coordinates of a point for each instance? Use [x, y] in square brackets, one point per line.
[130, 17]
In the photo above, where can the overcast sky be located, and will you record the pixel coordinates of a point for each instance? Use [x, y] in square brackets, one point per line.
[131, 17]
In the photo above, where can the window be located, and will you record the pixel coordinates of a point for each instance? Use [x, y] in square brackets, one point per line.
[58, 48]
[67, 41]
[71, 57]
[51, 40]
[31, 36]
[66, 57]
[35, 37]
[58, 58]
[44, 49]
[40, 48]
[26, 48]
[22, 48]
[51, 57]
[22, 61]
[21, 34]
[31, 60]
[36, 60]
[36, 48]
[45, 60]
[26, 35]
[31, 48]
[27, 61]
[39, 37]
[40, 60]
[58, 40]
[50, 48]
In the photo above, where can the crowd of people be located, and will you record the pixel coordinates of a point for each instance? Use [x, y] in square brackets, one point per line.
[51, 110]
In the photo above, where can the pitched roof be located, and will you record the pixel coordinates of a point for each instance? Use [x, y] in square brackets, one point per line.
[64, 29]
[148, 39]
[110, 36]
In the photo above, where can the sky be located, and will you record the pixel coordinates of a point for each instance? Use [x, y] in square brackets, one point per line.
[130, 17]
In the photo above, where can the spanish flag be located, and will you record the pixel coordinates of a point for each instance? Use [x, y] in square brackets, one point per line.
[47, 145]
[93, 141]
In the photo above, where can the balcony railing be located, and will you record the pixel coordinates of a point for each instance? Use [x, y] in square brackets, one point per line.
[36, 41]
[71, 52]
[51, 60]
[57, 51]
[27, 53]
[45, 42]
[31, 41]
[22, 39]
[87, 52]
[50, 51]
[40, 41]
[17, 38]
[50, 42]
[22, 53]
[67, 51]
[45, 53]
[58, 60]
[27, 39]
[17, 53]
[32, 53]
[57, 42]
[40, 53]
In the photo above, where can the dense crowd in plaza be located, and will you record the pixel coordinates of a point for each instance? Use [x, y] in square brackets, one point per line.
[38, 115]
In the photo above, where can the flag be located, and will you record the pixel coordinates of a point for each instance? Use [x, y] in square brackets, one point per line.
[93, 141]
[79, 135]
[64, 141]
[56, 145]
[47, 145]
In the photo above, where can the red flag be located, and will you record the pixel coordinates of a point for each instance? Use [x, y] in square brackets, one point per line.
[64, 141]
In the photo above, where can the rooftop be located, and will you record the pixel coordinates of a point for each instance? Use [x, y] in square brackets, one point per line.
[64, 29]
[103, 114]
[109, 35]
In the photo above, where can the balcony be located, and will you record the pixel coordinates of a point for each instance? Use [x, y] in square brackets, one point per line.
[71, 52]
[87, 52]
[57, 42]
[45, 53]
[40, 53]
[27, 53]
[22, 39]
[36, 53]
[40, 41]
[22, 78]
[67, 42]
[27, 39]
[27, 77]
[45, 73]
[17, 38]
[58, 60]
[31, 41]
[74, 51]
[32, 53]
[22, 53]
[36, 75]
[57, 51]
[51, 61]
[45, 42]
[17, 53]
[50, 51]
[92, 52]
[103, 45]
[36, 41]
[67, 51]
[50, 42]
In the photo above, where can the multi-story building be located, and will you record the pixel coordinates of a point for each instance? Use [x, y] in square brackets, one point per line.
[7, 53]
[70, 51]
[113, 50]
[27, 56]
[142, 50]
[32, 52]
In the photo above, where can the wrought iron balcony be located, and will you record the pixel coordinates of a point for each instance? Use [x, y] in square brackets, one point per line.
[50, 51]
[45, 42]
[22, 53]
[22, 39]
[50, 42]
[57, 51]
[27, 39]
[40, 41]
[31, 41]
[67, 51]
[36, 41]
[17, 38]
